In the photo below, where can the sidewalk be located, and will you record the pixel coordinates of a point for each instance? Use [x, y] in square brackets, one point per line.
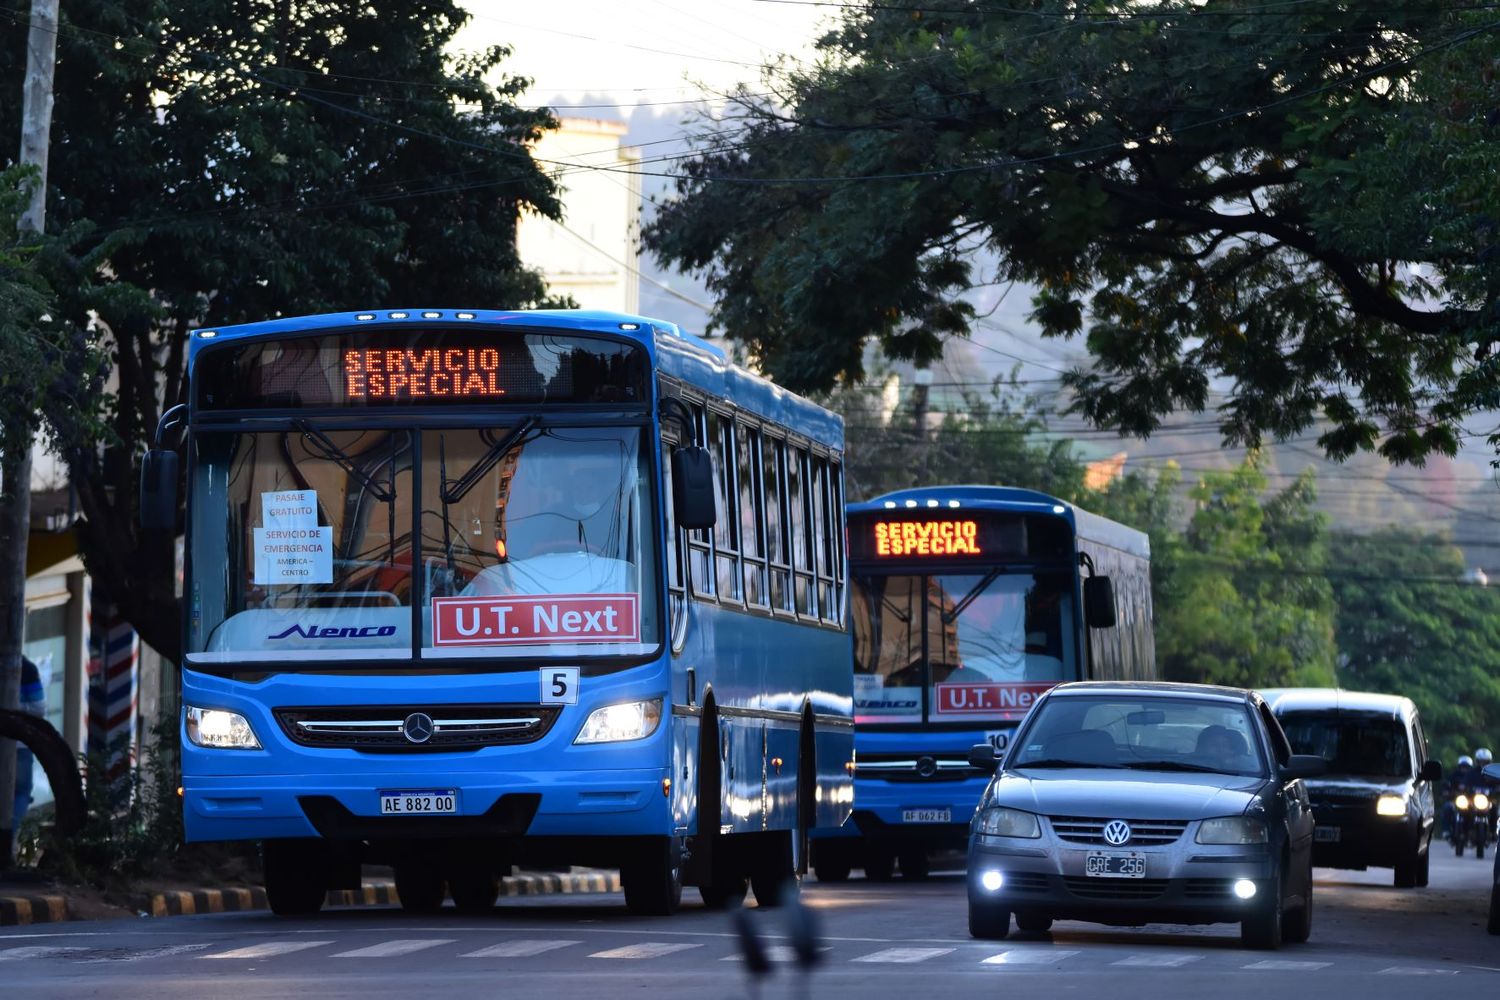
[32, 903]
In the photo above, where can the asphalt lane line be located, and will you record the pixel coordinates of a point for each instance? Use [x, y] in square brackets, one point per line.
[269, 949]
[646, 949]
[1283, 965]
[903, 955]
[1033, 956]
[36, 951]
[394, 949]
[1157, 961]
[518, 949]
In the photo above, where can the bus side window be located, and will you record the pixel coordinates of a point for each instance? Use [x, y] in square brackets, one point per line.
[797, 491]
[773, 456]
[676, 589]
[700, 541]
[727, 527]
[823, 543]
[752, 513]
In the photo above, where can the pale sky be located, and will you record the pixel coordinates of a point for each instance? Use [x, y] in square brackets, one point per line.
[639, 51]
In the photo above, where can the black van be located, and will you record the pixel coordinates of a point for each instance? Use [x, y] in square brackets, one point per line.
[1376, 805]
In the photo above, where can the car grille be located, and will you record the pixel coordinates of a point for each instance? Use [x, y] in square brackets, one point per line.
[916, 767]
[1208, 888]
[378, 728]
[1110, 888]
[1143, 832]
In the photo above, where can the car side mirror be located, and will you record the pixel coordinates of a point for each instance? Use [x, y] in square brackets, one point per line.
[1431, 771]
[1304, 765]
[1492, 771]
[693, 488]
[159, 491]
[1099, 602]
[982, 757]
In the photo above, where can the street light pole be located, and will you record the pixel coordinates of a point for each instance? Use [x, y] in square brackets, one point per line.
[15, 461]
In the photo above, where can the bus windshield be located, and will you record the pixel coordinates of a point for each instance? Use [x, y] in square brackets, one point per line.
[960, 647]
[314, 543]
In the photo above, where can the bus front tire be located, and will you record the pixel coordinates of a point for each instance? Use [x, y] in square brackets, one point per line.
[474, 891]
[880, 865]
[296, 884]
[830, 861]
[420, 887]
[652, 878]
[914, 863]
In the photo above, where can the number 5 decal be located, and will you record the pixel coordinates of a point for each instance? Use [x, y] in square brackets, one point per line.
[560, 686]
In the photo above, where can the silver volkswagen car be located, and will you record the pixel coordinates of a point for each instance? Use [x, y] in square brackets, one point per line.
[1134, 803]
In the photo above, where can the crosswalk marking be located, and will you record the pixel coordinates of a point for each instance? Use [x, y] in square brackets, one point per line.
[1157, 961]
[1282, 965]
[165, 951]
[646, 949]
[393, 949]
[36, 951]
[518, 949]
[774, 953]
[1031, 956]
[1411, 970]
[903, 955]
[269, 949]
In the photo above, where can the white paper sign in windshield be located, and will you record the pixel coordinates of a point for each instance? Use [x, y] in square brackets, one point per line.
[292, 547]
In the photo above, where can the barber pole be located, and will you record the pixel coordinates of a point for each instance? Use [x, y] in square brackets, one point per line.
[114, 652]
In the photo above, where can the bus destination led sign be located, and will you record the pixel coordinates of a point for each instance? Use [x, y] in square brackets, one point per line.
[454, 372]
[927, 538]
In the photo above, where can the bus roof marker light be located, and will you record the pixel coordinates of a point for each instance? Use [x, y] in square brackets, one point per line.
[890, 505]
[630, 326]
[932, 503]
[1058, 508]
[364, 317]
[464, 315]
[952, 503]
[911, 503]
[432, 314]
[208, 334]
[398, 315]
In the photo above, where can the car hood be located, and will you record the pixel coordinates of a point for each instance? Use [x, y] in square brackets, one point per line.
[1352, 787]
[1126, 794]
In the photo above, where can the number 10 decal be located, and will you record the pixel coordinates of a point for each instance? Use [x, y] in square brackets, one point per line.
[560, 686]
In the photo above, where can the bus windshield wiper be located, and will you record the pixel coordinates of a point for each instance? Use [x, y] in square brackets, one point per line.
[327, 449]
[968, 598]
[454, 492]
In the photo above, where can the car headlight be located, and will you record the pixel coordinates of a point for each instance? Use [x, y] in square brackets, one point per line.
[219, 730]
[998, 821]
[1481, 802]
[1391, 805]
[1232, 830]
[631, 720]
[1462, 802]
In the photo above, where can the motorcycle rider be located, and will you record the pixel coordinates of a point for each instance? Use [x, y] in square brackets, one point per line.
[1459, 780]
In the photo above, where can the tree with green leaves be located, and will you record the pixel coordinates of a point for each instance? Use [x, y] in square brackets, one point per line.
[1295, 198]
[1409, 622]
[246, 159]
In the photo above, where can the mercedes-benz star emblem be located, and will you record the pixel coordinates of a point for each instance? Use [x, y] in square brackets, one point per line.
[418, 727]
[1116, 832]
[926, 767]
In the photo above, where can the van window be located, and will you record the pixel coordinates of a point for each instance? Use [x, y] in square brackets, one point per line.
[1351, 742]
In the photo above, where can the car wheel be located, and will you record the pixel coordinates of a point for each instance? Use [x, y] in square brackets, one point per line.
[1296, 927]
[1262, 929]
[988, 923]
[1407, 869]
[1034, 923]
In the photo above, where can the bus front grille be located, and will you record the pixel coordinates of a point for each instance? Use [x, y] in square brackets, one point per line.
[385, 728]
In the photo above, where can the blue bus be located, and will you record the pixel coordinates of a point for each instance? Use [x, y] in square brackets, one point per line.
[469, 589]
[966, 603]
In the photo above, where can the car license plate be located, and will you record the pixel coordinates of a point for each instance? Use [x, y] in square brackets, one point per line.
[927, 816]
[1327, 834]
[1100, 865]
[424, 803]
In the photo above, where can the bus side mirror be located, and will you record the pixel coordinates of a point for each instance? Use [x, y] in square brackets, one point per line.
[1432, 771]
[159, 491]
[693, 488]
[1099, 602]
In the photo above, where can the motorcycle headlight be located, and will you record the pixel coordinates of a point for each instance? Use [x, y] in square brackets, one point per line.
[998, 821]
[1481, 802]
[632, 720]
[1232, 830]
[1391, 805]
[1462, 802]
[219, 730]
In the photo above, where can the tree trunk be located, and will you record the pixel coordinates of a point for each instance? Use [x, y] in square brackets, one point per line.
[15, 524]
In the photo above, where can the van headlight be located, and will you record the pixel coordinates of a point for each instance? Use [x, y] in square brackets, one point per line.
[997, 821]
[219, 730]
[631, 720]
[1232, 830]
[1391, 805]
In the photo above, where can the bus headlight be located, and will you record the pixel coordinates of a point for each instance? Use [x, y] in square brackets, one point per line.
[1232, 830]
[1391, 805]
[632, 720]
[219, 730]
[1001, 822]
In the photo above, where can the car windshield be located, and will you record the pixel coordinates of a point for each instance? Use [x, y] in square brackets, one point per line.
[1141, 733]
[1374, 746]
[313, 544]
[984, 646]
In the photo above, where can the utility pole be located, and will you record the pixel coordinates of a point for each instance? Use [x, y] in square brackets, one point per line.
[15, 461]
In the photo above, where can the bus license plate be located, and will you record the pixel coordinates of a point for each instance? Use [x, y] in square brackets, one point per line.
[426, 803]
[926, 816]
[1100, 865]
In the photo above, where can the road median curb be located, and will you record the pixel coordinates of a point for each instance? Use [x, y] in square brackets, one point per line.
[52, 908]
